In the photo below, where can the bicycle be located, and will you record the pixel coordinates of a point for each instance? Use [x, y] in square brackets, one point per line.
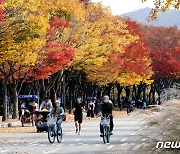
[105, 122]
[53, 132]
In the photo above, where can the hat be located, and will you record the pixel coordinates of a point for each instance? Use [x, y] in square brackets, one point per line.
[106, 98]
[57, 101]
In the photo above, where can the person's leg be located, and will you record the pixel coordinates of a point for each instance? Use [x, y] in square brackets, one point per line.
[79, 122]
[79, 127]
[76, 123]
[59, 124]
[111, 125]
[92, 113]
[101, 129]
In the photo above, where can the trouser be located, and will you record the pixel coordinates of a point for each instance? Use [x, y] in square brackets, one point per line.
[59, 124]
[111, 125]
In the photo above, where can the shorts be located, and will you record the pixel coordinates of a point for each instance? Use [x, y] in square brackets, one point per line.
[78, 118]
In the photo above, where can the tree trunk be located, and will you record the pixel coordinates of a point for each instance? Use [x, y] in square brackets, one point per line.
[15, 101]
[71, 95]
[144, 92]
[134, 92]
[119, 89]
[64, 92]
[43, 90]
[4, 92]
[127, 89]
[138, 96]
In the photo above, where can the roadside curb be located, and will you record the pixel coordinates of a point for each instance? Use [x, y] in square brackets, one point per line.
[10, 124]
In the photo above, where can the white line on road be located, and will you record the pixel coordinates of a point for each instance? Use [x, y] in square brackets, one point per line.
[33, 145]
[123, 144]
[4, 151]
[111, 146]
[43, 145]
[78, 139]
[124, 139]
[133, 134]
[52, 151]
[70, 132]
[71, 145]
[97, 145]
[60, 145]
[15, 144]
[140, 129]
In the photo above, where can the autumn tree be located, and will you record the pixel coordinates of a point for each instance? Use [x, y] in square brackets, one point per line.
[164, 43]
[23, 33]
[162, 5]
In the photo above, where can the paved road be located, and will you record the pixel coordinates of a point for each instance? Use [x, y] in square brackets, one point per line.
[127, 138]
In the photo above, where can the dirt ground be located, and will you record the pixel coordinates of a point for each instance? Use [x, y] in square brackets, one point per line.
[164, 122]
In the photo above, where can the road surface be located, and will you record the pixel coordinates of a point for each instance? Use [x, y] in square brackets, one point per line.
[129, 138]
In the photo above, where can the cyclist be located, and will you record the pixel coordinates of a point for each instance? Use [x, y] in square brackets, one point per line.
[106, 108]
[58, 112]
[78, 115]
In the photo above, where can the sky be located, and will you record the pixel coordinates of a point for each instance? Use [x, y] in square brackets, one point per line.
[119, 7]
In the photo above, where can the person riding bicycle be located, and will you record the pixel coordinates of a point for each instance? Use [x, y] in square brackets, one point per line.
[58, 112]
[107, 108]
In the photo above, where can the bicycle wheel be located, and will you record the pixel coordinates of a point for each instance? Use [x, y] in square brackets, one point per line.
[59, 135]
[107, 134]
[51, 134]
[104, 134]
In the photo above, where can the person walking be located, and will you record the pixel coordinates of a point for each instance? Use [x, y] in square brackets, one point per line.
[78, 114]
[91, 107]
[144, 104]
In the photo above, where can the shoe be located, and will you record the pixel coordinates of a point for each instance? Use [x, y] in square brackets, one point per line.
[110, 133]
[101, 135]
[59, 132]
[79, 133]
[76, 130]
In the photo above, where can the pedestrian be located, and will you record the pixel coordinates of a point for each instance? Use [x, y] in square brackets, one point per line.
[91, 107]
[120, 105]
[97, 108]
[78, 114]
[46, 105]
[144, 104]
[129, 105]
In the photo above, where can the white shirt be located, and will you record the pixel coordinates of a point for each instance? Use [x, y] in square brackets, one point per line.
[47, 105]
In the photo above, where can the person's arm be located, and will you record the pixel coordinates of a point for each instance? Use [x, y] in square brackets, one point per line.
[93, 106]
[52, 112]
[41, 106]
[112, 107]
[62, 111]
[50, 106]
